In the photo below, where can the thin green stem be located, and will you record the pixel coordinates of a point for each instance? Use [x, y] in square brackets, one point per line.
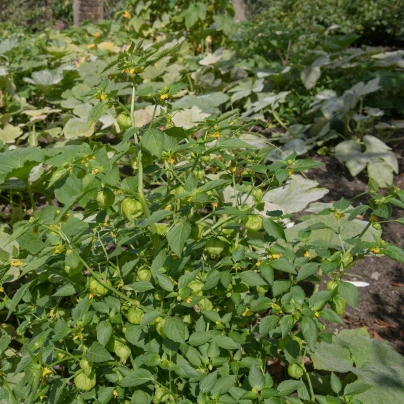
[278, 119]
[31, 196]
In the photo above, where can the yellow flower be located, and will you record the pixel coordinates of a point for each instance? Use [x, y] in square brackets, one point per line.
[258, 263]
[1, 289]
[216, 135]
[215, 205]
[44, 374]
[317, 314]
[52, 313]
[188, 300]
[130, 71]
[90, 46]
[374, 218]
[275, 256]
[233, 169]
[90, 296]
[96, 34]
[119, 192]
[126, 14]
[338, 215]
[306, 254]
[247, 313]
[78, 334]
[116, 394]
[16, 263]
[163, 97]
[58, 249]
[376, 250]
[119, 284]
[95, 171]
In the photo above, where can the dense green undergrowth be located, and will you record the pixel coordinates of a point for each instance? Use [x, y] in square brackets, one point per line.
[147, 253]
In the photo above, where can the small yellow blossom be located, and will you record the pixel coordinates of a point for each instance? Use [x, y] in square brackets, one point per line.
[317, 314]
[374, 218]
[376, 250]
[44, 374]
[96, 34]
[247, 313]
[275, 256]
[189, 199]
[208, 39]
[233, 169]
[112, 234]
[126, 14]
[116, 394]
[163, 97]
[1, 289]
[52, 313]
[95, 171]
[16, 263]
[58, 249]
[130, 71]
[258, 263]
[119, 192]
[216, 135]
[338, 215]
[90, 296]
[218, 322]
[291, 172]
[215, 205]
[188, 300]
[90, 46]
[119, 284]
[78, 334]
[306, 254]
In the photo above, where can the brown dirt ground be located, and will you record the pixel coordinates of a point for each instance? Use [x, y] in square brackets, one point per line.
[380, 306]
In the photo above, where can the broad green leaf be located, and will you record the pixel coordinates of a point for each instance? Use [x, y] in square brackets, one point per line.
[223, 385]
[155, 217]
[178, 235]
[176, 330]
[66, 290]
[349, 292]
[78, 127]
[307, 270]
[98, 354]
[309, 330]
[274, 229]
[396, 253]
[225, 342]
[267, 324]
[153, 141]
[251, 278]
[9, 133]
[104, 332]
[208, 382]
[256, 378]
[136, 378]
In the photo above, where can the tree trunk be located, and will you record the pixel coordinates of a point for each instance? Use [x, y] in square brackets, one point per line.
[87, 10]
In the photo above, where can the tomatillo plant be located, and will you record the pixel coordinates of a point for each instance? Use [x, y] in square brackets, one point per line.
[178, 282]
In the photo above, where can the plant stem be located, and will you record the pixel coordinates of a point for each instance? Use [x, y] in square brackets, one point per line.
[317, 285]
[31, 196]
[276, 116]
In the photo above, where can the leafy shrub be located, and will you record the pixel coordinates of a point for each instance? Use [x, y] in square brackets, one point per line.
[378, 21]
[161, 269]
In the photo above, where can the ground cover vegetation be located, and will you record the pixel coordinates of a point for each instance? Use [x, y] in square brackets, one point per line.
[146, 246]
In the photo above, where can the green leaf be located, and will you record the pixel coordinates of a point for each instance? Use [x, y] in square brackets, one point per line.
[208, 382]
[177, 236]
[136, 378]
[155, 217]
[331, 316]
[17, 297]
[288, 386]
[349, 292]
[199, 338]
[97, 111]
[153, 141]
[104, 332]
[280, 287]
[310, 76]
[256, 378]
[251, 278]
[225, 342]
[309, 330]
[336, 384]
[282, 264]
[98, 354]
[287, 322]
[396, 253]
[223, 385]
[66, 290]
[359, 210]
[176, 330]
[274, 229]
[267, 324]
[307, 270]
[356, 388]
[319, 299]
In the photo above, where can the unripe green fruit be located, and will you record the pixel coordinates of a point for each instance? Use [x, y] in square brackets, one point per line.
[257, 194]
[205, 304]
[198, 174]
[196, 286]
[253, 223]
[338, 304]
[124, 121]
[332, 285]
[215, 247]
[160, 328]
[105, 198]
[86, 366]
[295, 371]
[131, 208]
[162, 229]
[121, 350]
[376, 226]
[97, 289]
[144, 274]
[85, 382]
[135, 315]
[162, 395]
